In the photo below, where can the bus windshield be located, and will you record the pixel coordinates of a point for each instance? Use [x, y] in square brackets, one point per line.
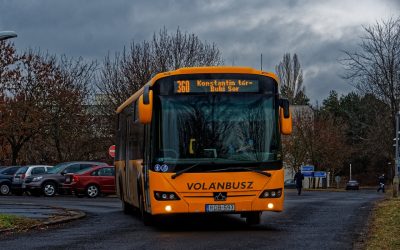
[217, 129]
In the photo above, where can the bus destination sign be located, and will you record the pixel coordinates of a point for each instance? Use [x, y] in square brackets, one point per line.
[215, 85]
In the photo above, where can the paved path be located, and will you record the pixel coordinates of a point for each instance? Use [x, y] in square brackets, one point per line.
[30, 210]
[315, 220]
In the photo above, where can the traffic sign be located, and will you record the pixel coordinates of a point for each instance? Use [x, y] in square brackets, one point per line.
[308, 173]
[111, 151]
[321, 174]
[307, 168]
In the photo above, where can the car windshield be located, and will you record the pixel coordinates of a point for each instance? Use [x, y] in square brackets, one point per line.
[57, 168]
[222, 129]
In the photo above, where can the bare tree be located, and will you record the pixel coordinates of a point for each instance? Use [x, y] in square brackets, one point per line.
[127, 72]
[298, 147]
[9, 72]
[291, 78]
[22, 101]
[124, 74]
[8, 69]
[375, 68]
[44, 109]
[66, 109]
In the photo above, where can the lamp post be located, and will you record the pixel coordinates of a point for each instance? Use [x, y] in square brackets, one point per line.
[397, 160]
[350, 172]
[7, 35]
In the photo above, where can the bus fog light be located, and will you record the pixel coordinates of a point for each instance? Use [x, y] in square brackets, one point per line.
[271, 193]
[270, 205]
[165, 196]
[168, 208]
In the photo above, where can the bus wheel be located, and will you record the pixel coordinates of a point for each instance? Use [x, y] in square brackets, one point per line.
[253, 218]
[128, 209]
[146, 217]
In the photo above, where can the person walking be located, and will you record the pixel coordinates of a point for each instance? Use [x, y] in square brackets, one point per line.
[298, 178]
[381, 183]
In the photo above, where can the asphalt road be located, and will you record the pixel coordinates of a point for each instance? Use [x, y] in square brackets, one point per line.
[315, 220]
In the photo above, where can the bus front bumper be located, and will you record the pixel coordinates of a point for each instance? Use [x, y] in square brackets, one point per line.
[232, 206]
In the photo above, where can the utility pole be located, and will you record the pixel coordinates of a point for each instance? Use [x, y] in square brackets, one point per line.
[397, 160]
[261, 62]
[350, 172]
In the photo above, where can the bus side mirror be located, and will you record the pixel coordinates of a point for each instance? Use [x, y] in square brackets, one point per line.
[285, 117]
[146, 105]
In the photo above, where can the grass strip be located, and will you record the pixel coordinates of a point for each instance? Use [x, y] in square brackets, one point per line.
[8, 221]
[385, 227]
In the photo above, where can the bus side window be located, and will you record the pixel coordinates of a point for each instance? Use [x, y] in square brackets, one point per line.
[120, 140]
[136, 135]
[136, 112]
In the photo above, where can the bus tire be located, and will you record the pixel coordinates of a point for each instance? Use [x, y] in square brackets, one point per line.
[146, 217]
[126, 207]
[253, 218]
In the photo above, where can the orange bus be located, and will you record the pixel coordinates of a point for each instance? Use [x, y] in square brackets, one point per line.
[203, 140]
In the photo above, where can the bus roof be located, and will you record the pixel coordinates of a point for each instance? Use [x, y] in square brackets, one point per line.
[197, 70]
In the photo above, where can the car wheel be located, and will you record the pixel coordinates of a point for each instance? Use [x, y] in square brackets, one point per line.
[4, 189]
[49, 189]
[92, 191]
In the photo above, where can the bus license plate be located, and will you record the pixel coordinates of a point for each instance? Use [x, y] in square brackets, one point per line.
[220, 208]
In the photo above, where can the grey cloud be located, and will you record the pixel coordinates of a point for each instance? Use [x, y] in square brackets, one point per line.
[241, 29]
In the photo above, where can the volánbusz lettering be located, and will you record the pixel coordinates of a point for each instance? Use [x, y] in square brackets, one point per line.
[230, 185]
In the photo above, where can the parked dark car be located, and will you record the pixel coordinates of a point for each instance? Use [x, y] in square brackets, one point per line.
[50, 183]
[352, 185]
[290, 183]
[92, 182]
[6, 176]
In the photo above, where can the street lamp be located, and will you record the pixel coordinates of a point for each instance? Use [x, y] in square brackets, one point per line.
[7, 34]
[397, 159]
[350, 172]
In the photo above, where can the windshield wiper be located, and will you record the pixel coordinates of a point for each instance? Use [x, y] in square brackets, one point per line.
[241, 168]
[184, 170]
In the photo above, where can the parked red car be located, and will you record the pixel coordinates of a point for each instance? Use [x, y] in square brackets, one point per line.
[91, 182]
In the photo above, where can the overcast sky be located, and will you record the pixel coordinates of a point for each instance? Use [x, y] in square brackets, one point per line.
[315, 30]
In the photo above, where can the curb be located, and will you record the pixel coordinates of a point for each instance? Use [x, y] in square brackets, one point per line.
[71, 216]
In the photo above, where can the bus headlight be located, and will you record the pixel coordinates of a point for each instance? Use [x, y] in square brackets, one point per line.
[271, 193]
[165, 196]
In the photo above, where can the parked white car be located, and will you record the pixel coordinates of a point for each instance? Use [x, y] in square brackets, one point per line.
[18, 183]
